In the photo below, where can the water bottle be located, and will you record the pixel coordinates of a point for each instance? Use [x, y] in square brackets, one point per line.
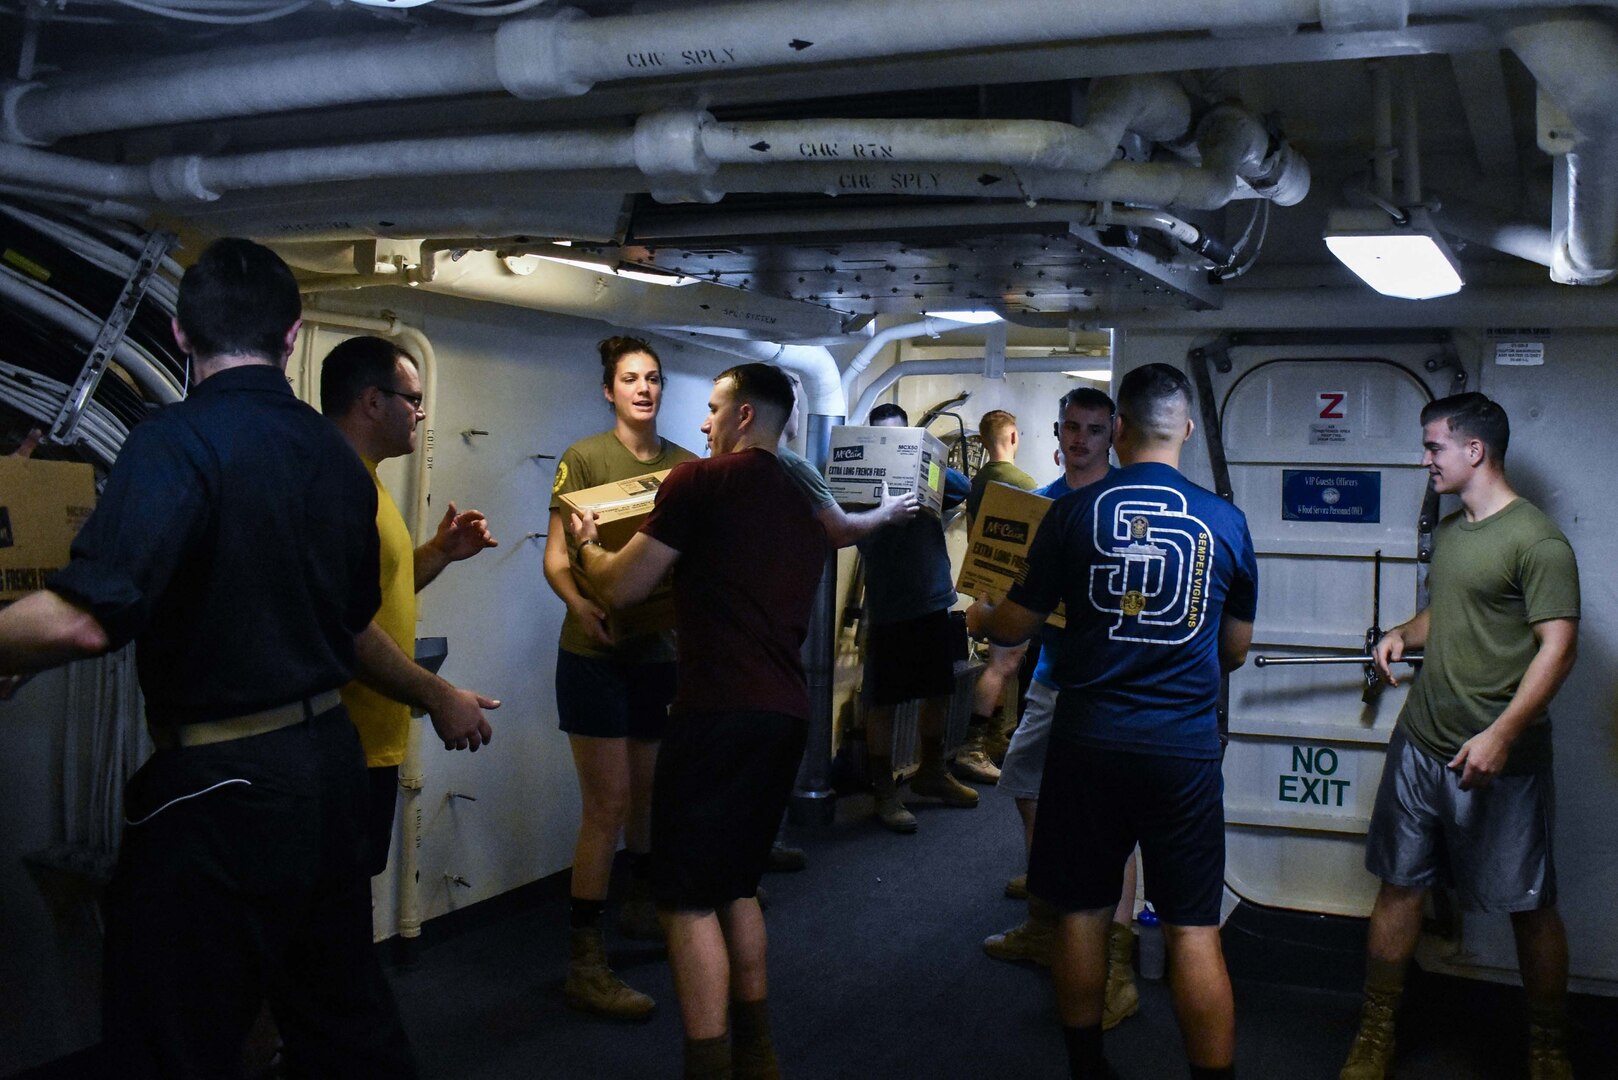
[1151, 943]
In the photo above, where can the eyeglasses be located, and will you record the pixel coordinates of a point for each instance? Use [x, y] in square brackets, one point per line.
[414, 399]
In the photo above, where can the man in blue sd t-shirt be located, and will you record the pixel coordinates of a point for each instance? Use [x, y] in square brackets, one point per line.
[1161, 587]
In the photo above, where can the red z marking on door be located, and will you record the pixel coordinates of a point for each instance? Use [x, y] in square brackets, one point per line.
[1331, 406]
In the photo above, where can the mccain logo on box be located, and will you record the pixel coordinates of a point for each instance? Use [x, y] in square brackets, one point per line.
[1006, 530]
[848, 453]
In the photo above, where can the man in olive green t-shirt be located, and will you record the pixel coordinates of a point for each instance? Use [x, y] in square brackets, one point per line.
[1466, 787]
[998, 432]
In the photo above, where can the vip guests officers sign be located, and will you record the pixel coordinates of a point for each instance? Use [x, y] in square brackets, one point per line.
[1350, 498]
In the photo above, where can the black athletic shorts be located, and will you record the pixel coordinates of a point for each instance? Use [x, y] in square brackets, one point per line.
[611, 699]
[722, 784]
[910, 659]
[1095, 805]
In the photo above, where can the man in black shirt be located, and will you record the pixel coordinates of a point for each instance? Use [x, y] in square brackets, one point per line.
[235, 543]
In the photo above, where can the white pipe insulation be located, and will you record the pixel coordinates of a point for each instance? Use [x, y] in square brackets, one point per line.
[688, 145]
[813, 364]
[1575, 61]
[1284, 178]
[564, 53]
[1478, 225]
[927, 327]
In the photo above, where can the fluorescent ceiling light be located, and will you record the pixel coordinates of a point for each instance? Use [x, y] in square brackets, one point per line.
[974, 317]
[1410, 261]
[649, 276]
[1093, 374]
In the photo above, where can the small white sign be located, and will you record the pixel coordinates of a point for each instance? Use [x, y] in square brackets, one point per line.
[1519, 353]
[1325, 432]
[1319, 779]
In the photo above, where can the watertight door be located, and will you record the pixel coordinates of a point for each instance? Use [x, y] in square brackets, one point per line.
[1324, 459]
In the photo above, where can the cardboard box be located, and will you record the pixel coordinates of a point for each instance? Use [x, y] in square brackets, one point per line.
[621, 507]
[997, 547]
[42, 506]
[908, 459]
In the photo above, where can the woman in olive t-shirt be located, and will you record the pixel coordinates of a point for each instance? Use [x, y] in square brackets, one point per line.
[612, 695]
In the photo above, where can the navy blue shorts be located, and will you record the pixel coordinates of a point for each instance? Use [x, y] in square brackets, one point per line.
[611, 699]
[1095, 805]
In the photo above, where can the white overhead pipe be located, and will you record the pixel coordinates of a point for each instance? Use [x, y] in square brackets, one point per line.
[564, 53]
[927, 327]
[1479, 225]
[686, 144]
[1162, 184]
[813, 364]
[253, 81]
[59, 172]
[966, 365]
[1575, 61]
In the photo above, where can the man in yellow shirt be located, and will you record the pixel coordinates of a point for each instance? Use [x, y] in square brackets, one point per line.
[370, 389]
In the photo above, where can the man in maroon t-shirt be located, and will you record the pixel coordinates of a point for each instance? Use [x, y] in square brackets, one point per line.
[747, 553]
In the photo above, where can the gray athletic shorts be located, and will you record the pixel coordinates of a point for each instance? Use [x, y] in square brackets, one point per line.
[1025, 757]
[1493, 844]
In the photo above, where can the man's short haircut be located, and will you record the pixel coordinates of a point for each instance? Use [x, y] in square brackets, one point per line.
[1473, 416]
[1085, 397]
[1156, 401]
[352, 368]
[996, 426]
[238, 299]
[766, 388]
[887, 411]
[614, 349]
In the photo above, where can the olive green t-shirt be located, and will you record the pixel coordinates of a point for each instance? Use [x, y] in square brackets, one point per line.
[808, 479]
[601, 459]
[996, 472]
[1491, 581]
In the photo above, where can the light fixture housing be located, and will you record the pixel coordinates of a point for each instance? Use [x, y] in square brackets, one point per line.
[1408, 259]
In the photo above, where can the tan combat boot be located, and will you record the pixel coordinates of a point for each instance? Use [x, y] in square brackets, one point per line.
[998, 739]
[1033, 941]
[591, 985]
[972, 762]
[933, 779]
[1122, 999]
[1372, 1051]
